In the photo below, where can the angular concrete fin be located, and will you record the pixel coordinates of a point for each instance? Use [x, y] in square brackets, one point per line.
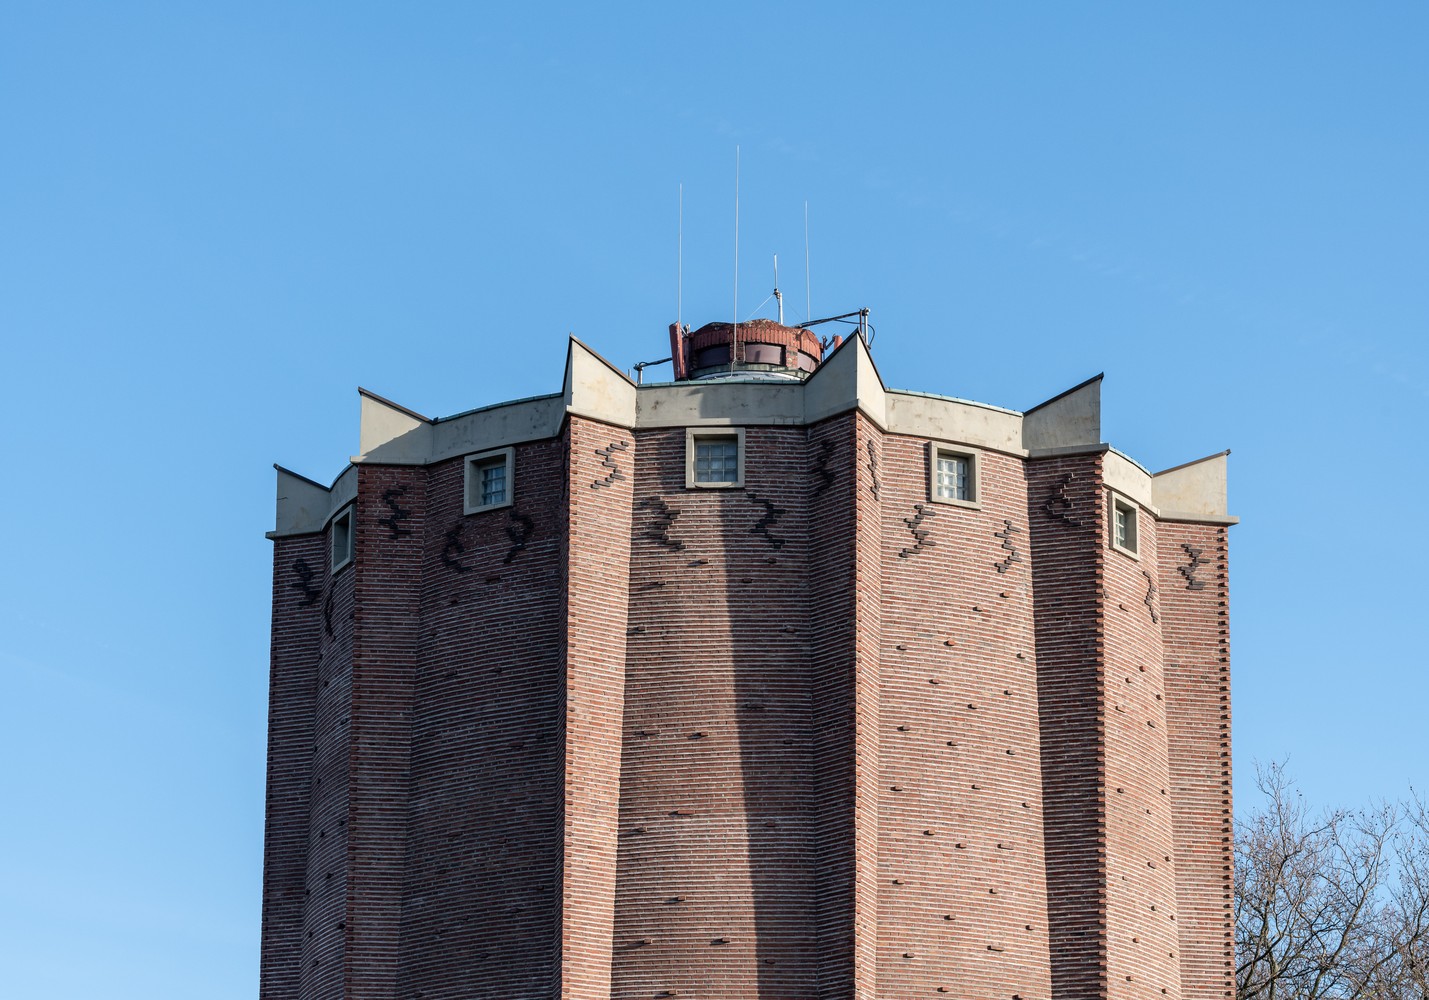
[302, 504]
[597, 389]
[392, 433]
[1196, 488]
[848, 379]
[1066, 420]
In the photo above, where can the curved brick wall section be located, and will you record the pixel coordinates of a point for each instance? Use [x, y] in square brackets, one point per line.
[325, 915]
[1142, 942]
[390, 514]
[597, 597]
[962, 895]
[715, 879]
[1197, 665]
[480, 911]
[1065, 508]
[296, 653]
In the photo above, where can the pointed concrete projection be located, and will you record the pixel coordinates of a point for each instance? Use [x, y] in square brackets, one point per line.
[1195, 491]
[303, 505]
[848, 379]
[1072, 419]
[391, 433]
[596, 389]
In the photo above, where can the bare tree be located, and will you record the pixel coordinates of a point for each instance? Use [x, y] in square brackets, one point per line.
[1334, 905]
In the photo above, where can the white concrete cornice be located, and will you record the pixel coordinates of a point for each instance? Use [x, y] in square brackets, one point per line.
[847, 380]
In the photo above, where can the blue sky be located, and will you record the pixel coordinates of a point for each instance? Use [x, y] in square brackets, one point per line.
[217, 220]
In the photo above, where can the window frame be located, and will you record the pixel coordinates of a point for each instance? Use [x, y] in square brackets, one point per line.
[1117, 504]
[938, 449]
[693, 436]
[344, 522]
[471, 481]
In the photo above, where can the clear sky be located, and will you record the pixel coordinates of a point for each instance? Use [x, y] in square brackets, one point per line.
[217, 220]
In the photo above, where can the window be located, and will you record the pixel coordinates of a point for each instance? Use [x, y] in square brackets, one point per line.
[714, 459]
[341, 534]
[489, 480]
[953, 475]
[1123, 525]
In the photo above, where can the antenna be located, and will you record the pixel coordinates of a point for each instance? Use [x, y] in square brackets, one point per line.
[680, 260]
[734, 342]
[779, 298]
[808, 306]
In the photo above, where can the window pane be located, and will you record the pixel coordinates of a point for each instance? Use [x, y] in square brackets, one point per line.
[953, 478]
[716, 461]
[493, 483]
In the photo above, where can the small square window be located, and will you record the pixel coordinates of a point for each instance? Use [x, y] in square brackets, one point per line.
[490, 480]
[953, 475]
[714, 459]
[1123, 526]
[340, 532]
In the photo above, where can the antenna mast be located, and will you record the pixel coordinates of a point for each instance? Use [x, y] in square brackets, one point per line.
[734, 343]
[680, 260]
[778, 296]
[808, 306]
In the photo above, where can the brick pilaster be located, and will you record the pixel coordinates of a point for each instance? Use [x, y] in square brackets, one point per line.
[387, 574]
[600, 479]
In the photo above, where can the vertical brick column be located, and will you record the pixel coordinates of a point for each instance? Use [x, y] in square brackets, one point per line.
[324, 937]
[387, 578]
[1065, 514]
[600, 471]
[867, 749]
[717, 875]
[1197, 665]
[964, 905]
[1142, 947]
[299, 577]
[482, 890]
[844, 594]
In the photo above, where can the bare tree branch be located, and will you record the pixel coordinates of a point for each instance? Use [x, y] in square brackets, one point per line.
[1332, 906]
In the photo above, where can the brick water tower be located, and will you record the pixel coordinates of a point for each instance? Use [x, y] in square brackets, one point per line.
[766, 682]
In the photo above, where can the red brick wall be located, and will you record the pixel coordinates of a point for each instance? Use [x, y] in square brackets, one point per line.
[597, 561]
[300, 573]
[962, 901]
[1193, 581]
[844, 590]
[868, 727]
[629, 738]
[1140, 868]
[481, 906]
[387, 575]
[1064, 501]
[715, 890]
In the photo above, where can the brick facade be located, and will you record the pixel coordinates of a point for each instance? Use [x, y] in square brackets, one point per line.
[817, 736]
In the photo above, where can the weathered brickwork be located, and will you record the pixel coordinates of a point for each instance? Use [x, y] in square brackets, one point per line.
[1067, 567]
[832, 617]
[818, 735]
[962, 895]
[387, 576]
[716, 890]
[1140, 867]
[299, 571]
[1194, 597]
[481, 904]
[600, 486]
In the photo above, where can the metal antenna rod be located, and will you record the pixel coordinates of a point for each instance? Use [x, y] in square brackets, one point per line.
[778, 296]
[679, 261]
[734, 343]
[808, 305]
